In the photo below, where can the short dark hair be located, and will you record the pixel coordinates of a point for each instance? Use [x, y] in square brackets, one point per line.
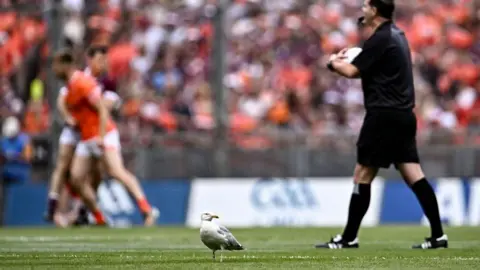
[385, 8]
[65, 56]
[93, 50]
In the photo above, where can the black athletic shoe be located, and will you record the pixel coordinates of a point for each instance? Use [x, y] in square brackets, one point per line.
[432, 243]
[337, 242]
[51, 208]
[82, 218]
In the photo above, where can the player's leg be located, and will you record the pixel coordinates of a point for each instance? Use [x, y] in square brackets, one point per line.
[60, 173]
[80, 170]
[79, 211]
[96, 173]
[117, 171]
[63, 216]
[94, 179]
[114, 166]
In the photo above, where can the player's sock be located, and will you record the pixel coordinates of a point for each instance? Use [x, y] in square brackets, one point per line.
[99, 218]
[52, 205]
[426, 196]
[144, 206]
[53, 195]
[359, 203]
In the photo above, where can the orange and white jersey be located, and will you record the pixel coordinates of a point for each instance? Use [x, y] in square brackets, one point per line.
[107, 93]
[70, 135]
[108, 88]
[83, 91]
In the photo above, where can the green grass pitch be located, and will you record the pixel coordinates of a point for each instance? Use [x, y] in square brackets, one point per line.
[384, 247]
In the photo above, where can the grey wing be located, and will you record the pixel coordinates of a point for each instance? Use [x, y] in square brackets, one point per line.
[232, 243]
[223, 229]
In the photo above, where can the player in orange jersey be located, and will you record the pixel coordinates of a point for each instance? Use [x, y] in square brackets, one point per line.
[70, 137]
[99, 137]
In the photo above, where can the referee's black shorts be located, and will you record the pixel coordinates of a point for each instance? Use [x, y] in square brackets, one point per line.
[388, 136]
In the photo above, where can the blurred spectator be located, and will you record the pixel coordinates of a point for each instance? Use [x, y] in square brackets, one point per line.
[275, 72]
[203, 108]
[37, 118]
[16, 152]
[10, 103]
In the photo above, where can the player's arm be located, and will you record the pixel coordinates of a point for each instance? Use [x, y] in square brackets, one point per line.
[96, 100]
[111, 100]
[92, 92]
[62, 107]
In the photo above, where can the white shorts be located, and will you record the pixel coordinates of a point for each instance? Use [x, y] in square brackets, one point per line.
[90, 148]
[69, 136]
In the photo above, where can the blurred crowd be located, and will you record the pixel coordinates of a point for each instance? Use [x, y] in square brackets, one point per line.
[275, 76]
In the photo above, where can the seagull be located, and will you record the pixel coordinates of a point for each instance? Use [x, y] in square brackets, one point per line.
[217, 237]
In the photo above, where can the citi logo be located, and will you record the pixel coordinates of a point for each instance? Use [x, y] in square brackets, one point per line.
[283, 194]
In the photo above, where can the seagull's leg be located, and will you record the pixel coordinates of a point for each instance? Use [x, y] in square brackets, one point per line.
[221, 254]
[213, 252]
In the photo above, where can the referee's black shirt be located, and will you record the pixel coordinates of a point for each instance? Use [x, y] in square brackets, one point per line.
[385, 67]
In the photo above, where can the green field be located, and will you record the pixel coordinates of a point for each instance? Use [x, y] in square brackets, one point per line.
[277, 248]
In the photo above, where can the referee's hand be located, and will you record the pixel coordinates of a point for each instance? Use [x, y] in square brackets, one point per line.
[332, 58]
[336, 56]
[342, 54]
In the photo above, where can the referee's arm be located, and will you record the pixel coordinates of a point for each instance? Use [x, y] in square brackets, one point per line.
[344, 68]
[372, 50]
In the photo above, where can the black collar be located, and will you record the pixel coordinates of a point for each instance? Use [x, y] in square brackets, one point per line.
[384, 24]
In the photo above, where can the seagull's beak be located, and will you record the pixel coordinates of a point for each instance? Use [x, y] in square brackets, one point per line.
[215, 216]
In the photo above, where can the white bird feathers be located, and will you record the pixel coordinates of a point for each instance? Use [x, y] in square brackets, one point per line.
[217, 237]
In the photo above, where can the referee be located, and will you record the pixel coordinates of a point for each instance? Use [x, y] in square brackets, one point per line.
[389, 128]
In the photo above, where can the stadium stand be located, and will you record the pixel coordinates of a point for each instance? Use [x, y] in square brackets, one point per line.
[159, 56]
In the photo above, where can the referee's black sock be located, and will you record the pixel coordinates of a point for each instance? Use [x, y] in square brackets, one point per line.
[428, 200]
[359, 203]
